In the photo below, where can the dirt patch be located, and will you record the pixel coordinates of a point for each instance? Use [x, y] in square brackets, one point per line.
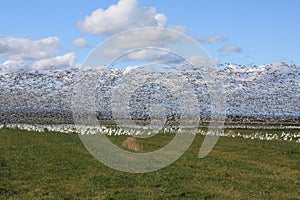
[230, 132]
[132, 144]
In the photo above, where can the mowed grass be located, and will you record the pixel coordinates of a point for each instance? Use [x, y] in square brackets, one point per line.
[57, 166]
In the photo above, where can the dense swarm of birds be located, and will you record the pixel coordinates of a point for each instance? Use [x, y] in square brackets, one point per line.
[269, 91]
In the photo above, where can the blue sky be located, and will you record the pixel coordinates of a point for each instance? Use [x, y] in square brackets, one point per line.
[243, 32]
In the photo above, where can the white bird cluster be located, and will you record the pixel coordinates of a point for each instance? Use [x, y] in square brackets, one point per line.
[258, 135]
[92, 130]
[62, 128]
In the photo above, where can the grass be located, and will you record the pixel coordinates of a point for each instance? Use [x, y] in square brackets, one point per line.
[57, 166]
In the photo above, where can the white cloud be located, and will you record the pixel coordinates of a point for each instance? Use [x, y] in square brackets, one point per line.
[29, 54]
[136, 39]
[147, 37]
[126, 14]
[212, 39]
[161, 20]
[79, 42]
[25, 49]
[153, 55]
[57, 62]
[231, 48]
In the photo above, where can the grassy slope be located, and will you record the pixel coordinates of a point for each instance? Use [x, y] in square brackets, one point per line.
[57, 166]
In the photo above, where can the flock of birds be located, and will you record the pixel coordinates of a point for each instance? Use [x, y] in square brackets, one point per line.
[69, 128]
[266, 90]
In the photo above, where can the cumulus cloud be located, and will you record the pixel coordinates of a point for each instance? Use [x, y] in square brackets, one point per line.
[231, 48]
[127, 14]
[26, 54]
[124, 15]
[24, 49]
[57, 62]
[212, 39]
[153, 55]
[147, 37]
[136, 39]
[80, 43]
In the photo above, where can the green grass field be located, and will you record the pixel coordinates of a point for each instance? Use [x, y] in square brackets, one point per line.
[57, 166]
